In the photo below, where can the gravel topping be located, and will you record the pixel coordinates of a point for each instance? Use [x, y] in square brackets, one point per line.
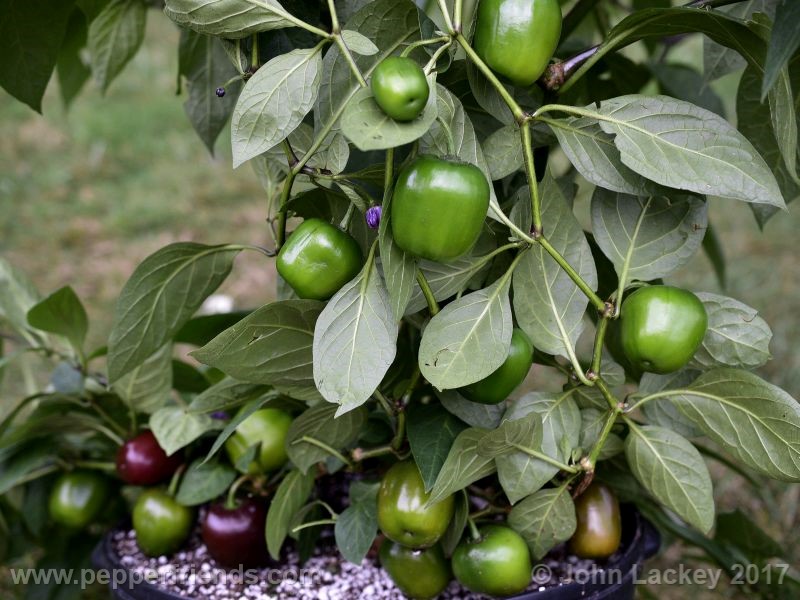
[192, 573]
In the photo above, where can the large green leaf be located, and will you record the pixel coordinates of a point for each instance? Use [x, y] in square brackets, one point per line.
[321, 424]
[663, 412]
[227, 394]
[593, 153]
[431, 433]
[548, 305]
[755, 421]
[114, 38]
[647, 237]
[228, 18]
[147, 387]
[272, 345]
[592, 422]
[30, 38]
[175, 427]
[72, 69]
[399, 268]
[683, 146]
[290, 496]
[474, 414]
[462, 467]
[671, 469]
[17, 296]
[204, 482]
[274, 102]
[369, 128]
[206, 67]
[469, 339]
[544, 520]
[165, 290]
[736, 335]
[783, 42]
[357, 525]
[61, 313]
[355, 340]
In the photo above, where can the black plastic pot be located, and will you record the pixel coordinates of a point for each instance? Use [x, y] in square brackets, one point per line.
[640, 541]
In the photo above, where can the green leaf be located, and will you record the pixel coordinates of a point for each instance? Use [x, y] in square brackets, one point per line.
[737, 529]
[715, 253]
[671, 469]
[663, 412]
[783, 42]
[147, 388]
[369, 128]
[455, 530]
[355, 340]
[28, 460]
[198, 331]
[503, 151]
[230, 427]
[71, 69]
[228, 18]
[226, 395]
[474, 414]
[736, 335]
[683, 146]
[187, 379]
[751, 116]
[358, 43]
[544, 520]
[63, 314]
[321, 423]
[431, 432]
[647, 237]
[274, 102]
[469, 339]
[555, 421]
[206, 67]
[115, 37]
[203, 482]
[389, 24]
[398, 267]
[462, 467]
[490, 100]
[719, 59]
[30, 38]
[593, 153]
[445, 279]
[755, 421]
[272, 345]
[175, 428]
[548, 305]
[165, 290]
[290, 496]
[357, 525]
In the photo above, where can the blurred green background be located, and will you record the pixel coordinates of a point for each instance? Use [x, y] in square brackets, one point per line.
[85, 195]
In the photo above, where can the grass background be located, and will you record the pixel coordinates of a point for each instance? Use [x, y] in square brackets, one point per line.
[85, 195]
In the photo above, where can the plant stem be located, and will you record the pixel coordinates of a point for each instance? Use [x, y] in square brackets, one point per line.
[286, 192]
[254, 58]
[451, 144]
[360, 454]
[298, 22]
[613, 402]
[667, 394]
[457, 12]
[400, 434]
[119, 429]
[530, 172]
[350, 60]
[384, 402]
[435, 57]
[473, 529]
[230, 502]
[516, 109]
[334, 17]
[98, 465]
[544, 458]
[319, 523]
[323, 446]
[596, 301]
[348, 215]
[175, 481]
[433, 306]
[599, 338]
[414, 45]
[601, 441]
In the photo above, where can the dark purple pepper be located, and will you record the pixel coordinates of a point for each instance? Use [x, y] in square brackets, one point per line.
[373, 217]
[220, 92]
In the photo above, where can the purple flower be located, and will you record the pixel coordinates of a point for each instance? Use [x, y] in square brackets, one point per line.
[221, 415]
[220, 92]
[373, 217]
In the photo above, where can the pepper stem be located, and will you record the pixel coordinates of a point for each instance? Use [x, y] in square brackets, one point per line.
[473, 529]
[230, 502]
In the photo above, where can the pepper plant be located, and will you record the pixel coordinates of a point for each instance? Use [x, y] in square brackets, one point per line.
[450, 232]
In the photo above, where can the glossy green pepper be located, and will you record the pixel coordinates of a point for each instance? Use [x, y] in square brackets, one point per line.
[161, 524]
[498, 563]
[267, 427]
[402, 515]
[78, 498]
[661, 327]
[496, 387]
[419, 574]
[599, 528]
[318, 259]
[438, 208]
[517, 38]
[400, 88]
